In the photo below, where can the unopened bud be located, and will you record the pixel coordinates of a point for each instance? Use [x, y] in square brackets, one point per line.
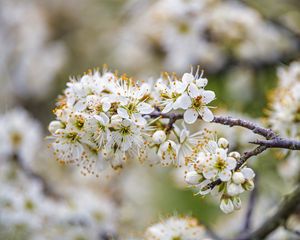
[233, 189]
[235, 155]
[159, 137]
[238, 178]
[226, 205]
[223, 143]
[192, 177]
[54, 126]
[237, 203]
[248, 185]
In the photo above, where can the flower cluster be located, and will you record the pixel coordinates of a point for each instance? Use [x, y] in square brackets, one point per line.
[284, 113]
[176, 228]
[100, 121]
[213, 162]
[26, 66]
[105, 119]
[20, 136]
[25, 208]
[188, 94]
[209, 32]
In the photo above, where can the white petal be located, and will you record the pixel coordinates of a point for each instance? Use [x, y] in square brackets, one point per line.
[105, 118]
[213, 146]
[145, 108]
[226, 206]
[167, 108]
[207, 115]
[80, 105]
[237, 203]
[179, 87]
[210, 174]
[122, 113]
[188, 78]
[184, 135]
[106, 106]
[190, 116]
[225, 175]
[126, 144]
[184, 101]
[201, 82]
[222, 152]
[192, 177]
[208, 96]
[139, 120]
[231, 163]
[233, 189]
[248, 173]
[193, 90]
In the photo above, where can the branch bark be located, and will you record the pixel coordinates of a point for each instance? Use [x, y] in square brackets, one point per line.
[229, 121]
[272, 140]
[279, 143]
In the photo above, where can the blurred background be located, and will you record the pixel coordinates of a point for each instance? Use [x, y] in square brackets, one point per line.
[239, 45]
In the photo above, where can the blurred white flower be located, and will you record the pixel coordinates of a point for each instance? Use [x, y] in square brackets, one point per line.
[176, 228]
[20, 136]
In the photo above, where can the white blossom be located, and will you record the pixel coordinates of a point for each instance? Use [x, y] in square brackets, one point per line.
[176, 228]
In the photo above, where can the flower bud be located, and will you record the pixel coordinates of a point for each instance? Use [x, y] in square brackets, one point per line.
[248, 173]
[192, 177]
[233, 189]
[235, 155]
[238, 178]
[54, 126]
[223, 143]
[237, 203]
[248, 185]
[159, 137]
[226, 205]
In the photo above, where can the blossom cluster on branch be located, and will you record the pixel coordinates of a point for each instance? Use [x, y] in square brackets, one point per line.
[104, 119]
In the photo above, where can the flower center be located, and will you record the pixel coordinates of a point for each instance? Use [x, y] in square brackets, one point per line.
[73, 136]
[220, 164]
[198, 102]
[114, 107]
[79, 122]
[16, 139]
[125, 130]
[131, 108]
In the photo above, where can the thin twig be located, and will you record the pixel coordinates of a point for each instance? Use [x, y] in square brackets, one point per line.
[272, 140]
[240, 163]
[279, 143]
[255, 128]
[229, 121]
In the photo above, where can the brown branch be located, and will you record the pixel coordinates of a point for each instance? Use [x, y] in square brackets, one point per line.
[229, 121]
[272, 140]
[279, 143]
[284, 210]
